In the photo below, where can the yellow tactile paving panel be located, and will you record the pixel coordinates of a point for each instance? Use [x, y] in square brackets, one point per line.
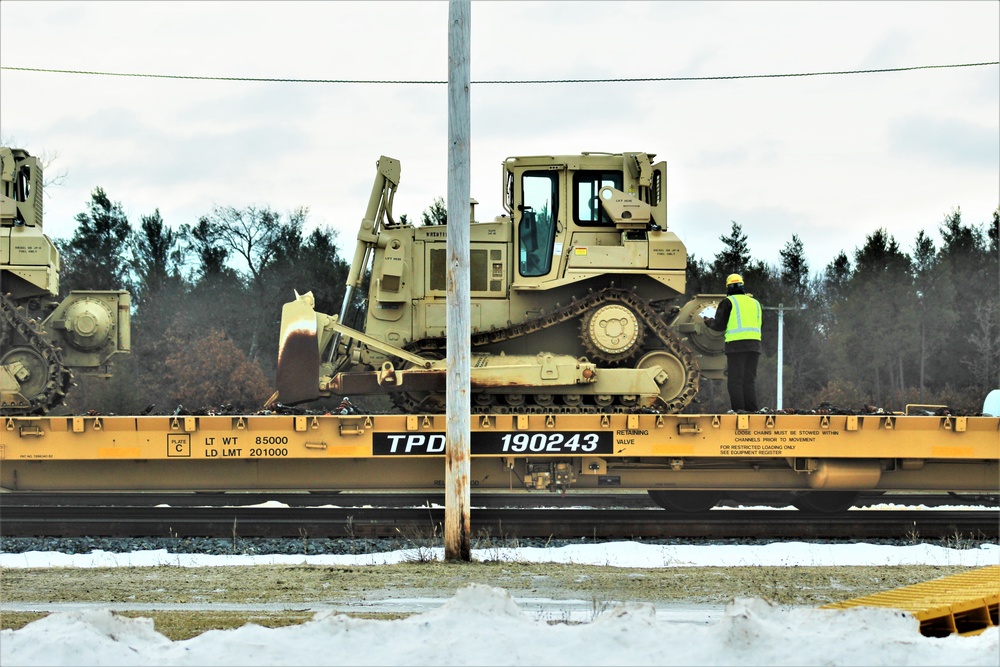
[963, 604]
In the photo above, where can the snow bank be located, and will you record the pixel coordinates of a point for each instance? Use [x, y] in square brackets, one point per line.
[615, 554]
[481, 625]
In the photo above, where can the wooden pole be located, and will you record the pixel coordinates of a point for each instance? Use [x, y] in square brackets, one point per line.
[457, 520]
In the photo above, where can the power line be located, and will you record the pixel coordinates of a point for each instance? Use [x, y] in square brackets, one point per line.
[495, 82]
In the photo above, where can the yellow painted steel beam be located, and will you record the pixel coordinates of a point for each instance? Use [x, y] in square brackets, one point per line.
[962, 604]
[722, 437]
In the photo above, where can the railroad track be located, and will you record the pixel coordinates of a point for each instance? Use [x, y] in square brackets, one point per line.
[638, 499]
[316, 499]
[426, 521]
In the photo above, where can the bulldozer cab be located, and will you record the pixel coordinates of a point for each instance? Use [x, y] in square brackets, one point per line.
[578, 216]
[29, 261]
[21, 178]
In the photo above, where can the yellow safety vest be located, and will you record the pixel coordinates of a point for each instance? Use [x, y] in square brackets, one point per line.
[744, 319]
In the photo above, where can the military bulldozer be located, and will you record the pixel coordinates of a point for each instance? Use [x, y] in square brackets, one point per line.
[577, 300]
[44, 340]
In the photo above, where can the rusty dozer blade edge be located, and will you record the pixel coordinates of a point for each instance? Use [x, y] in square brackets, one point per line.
[298, 352]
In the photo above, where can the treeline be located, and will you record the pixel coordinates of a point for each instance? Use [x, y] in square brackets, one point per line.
[206, 301]
[881, 326]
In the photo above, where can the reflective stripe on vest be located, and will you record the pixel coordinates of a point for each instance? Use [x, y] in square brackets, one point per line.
[744, 319]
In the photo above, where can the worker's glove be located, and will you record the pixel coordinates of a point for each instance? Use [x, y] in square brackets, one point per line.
[709, 321]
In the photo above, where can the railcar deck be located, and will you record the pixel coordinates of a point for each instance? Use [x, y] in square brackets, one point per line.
[542, 452]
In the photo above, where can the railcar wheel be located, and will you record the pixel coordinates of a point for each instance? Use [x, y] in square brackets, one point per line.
[824, 502]
[686, 502]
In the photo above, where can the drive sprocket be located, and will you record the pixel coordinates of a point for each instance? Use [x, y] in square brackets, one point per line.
[612, 333]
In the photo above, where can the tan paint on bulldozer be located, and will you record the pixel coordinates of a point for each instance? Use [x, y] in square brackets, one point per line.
[44, 340]
[581, 266]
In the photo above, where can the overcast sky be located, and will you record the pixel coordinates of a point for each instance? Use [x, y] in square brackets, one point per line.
[829, 158]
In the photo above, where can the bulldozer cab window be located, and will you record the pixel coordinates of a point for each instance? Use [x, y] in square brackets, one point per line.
[587, 185]
[18, 188]
[537, 230]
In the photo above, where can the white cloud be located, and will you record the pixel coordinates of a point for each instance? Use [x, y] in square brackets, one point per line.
[828, 158]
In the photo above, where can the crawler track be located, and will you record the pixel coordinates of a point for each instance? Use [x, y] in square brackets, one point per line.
[19, 335]
[669, 341]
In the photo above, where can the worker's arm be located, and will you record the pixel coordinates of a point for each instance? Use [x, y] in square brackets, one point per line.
[718, 323]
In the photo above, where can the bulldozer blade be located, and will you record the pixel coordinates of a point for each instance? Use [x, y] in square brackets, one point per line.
[297, 376]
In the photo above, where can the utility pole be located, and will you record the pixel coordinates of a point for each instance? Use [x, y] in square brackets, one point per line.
[458, 402]
[781, 308]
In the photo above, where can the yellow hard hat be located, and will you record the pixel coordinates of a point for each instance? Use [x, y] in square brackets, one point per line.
[733, 279]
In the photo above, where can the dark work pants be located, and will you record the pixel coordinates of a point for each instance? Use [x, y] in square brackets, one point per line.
[742, 380]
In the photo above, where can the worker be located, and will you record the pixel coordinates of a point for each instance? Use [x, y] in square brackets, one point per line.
[740, 316]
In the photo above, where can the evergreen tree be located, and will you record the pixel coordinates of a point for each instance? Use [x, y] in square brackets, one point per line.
[794, 266]
[94, 258]
[218, 298]
[804, 370]
[734, 256]
[964, 259]
[436, 214]
[830, 291]
[309, 264]
[321, 262]
[698, 274]
[934, 293]
[874, 336]
[994, 234]
[204, 242]
[155, 258]
[159, 296]
[836, 277]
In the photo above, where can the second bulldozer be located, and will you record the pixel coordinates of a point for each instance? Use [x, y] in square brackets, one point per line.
[45, 340]
[577, 300]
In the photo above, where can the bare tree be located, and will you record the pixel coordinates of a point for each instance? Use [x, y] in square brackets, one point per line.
[253, 234]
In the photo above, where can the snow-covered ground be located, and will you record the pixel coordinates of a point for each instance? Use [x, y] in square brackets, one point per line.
[480, 625]
[618, 554]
